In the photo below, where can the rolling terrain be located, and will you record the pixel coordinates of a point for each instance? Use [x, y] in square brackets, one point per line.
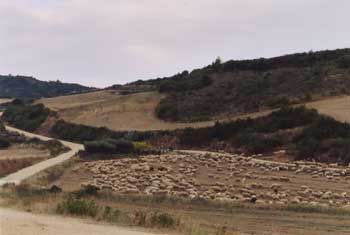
[137, 111]
[117, 112]
[245, 86]
[220, 91]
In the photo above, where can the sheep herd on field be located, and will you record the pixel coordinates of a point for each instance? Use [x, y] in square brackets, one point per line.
[224, 177]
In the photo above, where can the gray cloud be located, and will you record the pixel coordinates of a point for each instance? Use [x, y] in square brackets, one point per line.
[102, 42]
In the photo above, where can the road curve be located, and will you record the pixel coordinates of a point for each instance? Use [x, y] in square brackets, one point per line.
[25, 173]
[14, 222]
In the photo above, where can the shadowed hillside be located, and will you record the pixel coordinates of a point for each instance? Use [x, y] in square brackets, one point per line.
[23, 87]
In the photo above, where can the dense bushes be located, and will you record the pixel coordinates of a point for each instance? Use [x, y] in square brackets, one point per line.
[26, 117]
[30, 88]
[77, 207]
[299, 60]
[82, 133]
[183, 82]
[109, 146]
[285, 118]
[326, 140]
[4, 142]
[238, 87]
[317, 137]
[113, 146]
[255, 143]
[166, 110]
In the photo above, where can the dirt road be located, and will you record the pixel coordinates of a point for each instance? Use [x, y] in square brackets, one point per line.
[25, 173]
[15, 222]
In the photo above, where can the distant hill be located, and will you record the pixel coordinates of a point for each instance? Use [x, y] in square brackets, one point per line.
[242, 86]
[23, 87]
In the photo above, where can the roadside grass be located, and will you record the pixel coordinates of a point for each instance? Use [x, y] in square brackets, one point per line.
[24, 191]
[156, 212]
[77, 207]
[317, 209]
[208, 205]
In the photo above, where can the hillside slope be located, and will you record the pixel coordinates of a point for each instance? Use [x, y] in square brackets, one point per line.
[23, 87]
[118, 112]
[237, 87]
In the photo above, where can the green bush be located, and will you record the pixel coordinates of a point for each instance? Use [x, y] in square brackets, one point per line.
[111, 215]
[77, 207]
[166, 111]
[162, 220]
[325, 140]
[82, 133]
[141, 147]
[255, 143]
[278, 102]
[26, 117]
[109, 146]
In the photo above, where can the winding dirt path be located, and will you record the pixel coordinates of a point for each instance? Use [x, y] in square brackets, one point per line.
[25, 173]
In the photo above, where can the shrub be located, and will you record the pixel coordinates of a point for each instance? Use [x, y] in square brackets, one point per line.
[278, 102]
[111, 215]
[77, 207]
[26, 117]
[163, 220]
[4, 142]
[140, 147]
[325, 140]
[166, 111]
[344, 62]
[254, 143]
[109, 146]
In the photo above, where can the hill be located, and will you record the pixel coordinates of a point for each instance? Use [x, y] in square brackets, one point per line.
[23, 87]
[118, 112]
[111, 109]
[219, 91]
[237, 87]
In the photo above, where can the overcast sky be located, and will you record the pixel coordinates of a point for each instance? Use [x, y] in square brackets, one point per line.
[104, 42]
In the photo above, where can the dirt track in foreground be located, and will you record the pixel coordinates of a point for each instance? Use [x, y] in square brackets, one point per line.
[15, 222]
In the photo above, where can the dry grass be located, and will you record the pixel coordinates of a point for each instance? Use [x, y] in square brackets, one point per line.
[19, 151]
[193, 218]
[117, 112]
[338, 108]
